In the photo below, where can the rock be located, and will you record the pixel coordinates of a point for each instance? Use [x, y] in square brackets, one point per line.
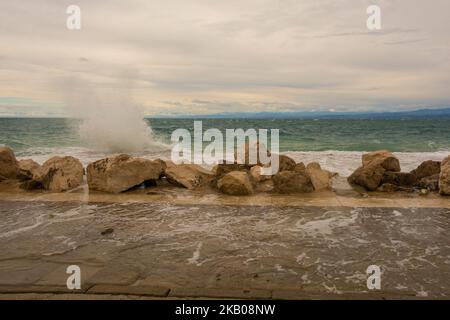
[445, 162]
[424, 192]
[286, 163]
[385, 158]
[320, 178]
[28, 169]
[255, 174]
[300, 167]
[430, 183]
[122, 172]
[444, 177]
[60, 174]
[9, 166]
[399, 178]
[426, 169]
[222, 169]
[292, 182]
[369, 176]
[375, 164]
[235, 183]
[189, 176]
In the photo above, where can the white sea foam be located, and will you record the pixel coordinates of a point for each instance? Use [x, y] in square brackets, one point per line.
[343, 162]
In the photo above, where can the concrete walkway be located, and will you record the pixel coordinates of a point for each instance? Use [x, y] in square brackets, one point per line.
[166, 250]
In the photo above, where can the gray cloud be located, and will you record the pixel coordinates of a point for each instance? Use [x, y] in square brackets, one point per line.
[260, 55]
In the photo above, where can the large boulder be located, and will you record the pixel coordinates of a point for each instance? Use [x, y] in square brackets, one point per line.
[28, 169]
[369, 176]
[426, 169]
[235, 183]
[9, 166]
[189, 176]
[60, 174]
[374, 166]
[321, 179]
[122, 172]
[399, 178]
[444, 177]
[292, 182]
[222, 169]
[384, 158]
[286, 163]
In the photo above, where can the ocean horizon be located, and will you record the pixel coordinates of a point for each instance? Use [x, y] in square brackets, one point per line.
[337, 144]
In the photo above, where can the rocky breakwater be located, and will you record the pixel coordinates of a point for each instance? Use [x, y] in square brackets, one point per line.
[292, 177]
[56, 174]
[380, 171]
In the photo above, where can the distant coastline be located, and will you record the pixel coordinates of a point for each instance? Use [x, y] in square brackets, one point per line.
[414, 114]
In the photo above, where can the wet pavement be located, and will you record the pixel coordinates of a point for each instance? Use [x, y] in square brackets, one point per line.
[230, 251]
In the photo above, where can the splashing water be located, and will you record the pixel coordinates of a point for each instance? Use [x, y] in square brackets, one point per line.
[111, 122]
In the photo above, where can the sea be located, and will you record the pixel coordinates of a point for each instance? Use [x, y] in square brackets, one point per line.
[337, 144]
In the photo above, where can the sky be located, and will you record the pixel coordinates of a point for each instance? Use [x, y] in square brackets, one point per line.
[208, 56]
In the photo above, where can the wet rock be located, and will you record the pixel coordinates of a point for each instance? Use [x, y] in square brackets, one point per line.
[28, 169]
[426, 169]
[320, 178]
[286, 163]
[375, 164]
[60, 174]
[369, 176]
[444, 177]
[189, 176]
[292, 182]
[399, 178]
[384, 158]
[9, 166]
[430, 183]
[235, 183]
[122, 172]
[222, 169]
[300, 167]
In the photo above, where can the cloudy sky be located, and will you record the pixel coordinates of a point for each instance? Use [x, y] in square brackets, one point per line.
[209, 56]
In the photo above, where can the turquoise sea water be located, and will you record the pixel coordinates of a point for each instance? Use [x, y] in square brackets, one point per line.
[25, 135]
[336, 144]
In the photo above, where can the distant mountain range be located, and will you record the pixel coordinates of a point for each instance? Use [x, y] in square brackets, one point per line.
[421, 113]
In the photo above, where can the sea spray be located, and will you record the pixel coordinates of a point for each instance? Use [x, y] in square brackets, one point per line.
[111, 121]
